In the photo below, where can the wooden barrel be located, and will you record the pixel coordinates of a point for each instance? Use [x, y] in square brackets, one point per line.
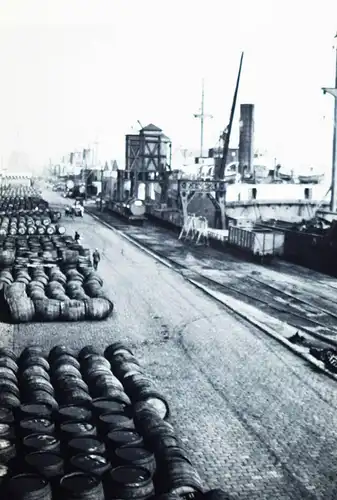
[180, 477]
[31, 362]
[84, 444]
[71, 430]
[7, 258]
[39, 442]
[136, 455]
[29, 487]
[123, 437]
[130, 482]
[60, 229]
[21, 310]
[116, 348]
[97, 465]
[8, 399]
[74, 413]
[36, 426]
[82, 486]
[48, 309]
[65, 359]
[7, 451]
[113, 421]
[70, 256]
[7, 432]
[98, 308]
[57, 351]
[73, 310]
[105, 405]
[31, 410]
[7, 361]
[57, 275]
[47, 464]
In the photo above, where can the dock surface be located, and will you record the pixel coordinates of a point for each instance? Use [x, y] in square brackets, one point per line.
[257, 421]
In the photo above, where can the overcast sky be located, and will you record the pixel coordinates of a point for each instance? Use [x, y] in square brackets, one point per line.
[76, 71]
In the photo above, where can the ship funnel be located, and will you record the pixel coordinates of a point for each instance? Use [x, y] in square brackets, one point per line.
[246, 143]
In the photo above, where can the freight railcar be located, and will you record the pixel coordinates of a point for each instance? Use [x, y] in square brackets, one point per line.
[312, 250]
[311, 246]
[258, 243]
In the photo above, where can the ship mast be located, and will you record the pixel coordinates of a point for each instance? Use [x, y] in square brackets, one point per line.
[333, 92]
[202, 117]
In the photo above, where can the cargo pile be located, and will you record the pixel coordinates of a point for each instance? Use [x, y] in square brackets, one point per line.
[42, 249]
[50, 279]
[37, 223]
[20, 201]
[87, 426]
[44, 274]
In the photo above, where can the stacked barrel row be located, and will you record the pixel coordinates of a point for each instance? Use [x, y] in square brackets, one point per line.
[15, 204]
[42, 249]
[38, 223]
[87, 427]
[69, 291]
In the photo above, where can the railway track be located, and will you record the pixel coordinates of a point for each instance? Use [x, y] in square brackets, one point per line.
[313, 316]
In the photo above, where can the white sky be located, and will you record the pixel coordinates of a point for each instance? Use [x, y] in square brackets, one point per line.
[76, 70]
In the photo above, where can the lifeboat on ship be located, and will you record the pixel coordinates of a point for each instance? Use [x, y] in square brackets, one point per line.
[311, 179]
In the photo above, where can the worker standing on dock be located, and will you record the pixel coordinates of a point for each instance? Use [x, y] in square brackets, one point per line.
[96, 257]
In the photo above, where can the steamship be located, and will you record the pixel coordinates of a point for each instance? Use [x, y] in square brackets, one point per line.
[258, 187]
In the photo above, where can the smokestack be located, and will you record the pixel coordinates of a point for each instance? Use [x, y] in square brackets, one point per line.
[246, 151]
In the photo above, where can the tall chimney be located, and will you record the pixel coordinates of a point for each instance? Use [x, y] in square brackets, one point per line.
[246, 151]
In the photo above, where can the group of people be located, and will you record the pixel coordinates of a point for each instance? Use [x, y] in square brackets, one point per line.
[96, 256]
[71, 211]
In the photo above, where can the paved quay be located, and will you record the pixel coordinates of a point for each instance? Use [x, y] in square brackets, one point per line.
[256, 420]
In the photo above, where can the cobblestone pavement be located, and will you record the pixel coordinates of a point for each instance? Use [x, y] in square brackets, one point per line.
[256, 420]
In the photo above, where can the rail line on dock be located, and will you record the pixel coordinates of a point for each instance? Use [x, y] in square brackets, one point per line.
[253, 302]
[315, 320]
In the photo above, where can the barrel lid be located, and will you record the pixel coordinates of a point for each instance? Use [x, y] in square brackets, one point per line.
[43, 422]
[88, 444]
[90, 462]
[24, 483]
[43, 459]
[124, 436]
[77, 427]
[36, 409]
[77, 482]
[108, 405]
[130, 475]
[131, 453]
[114, 418]
[75, 412]
[4, 443]
[36, 440]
